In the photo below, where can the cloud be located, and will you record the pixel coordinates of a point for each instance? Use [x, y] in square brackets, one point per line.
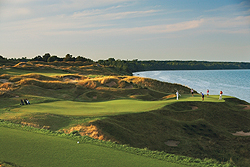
[103, 14]
[234, 25]
[14, 12]
[156, 29]
[167, 28]
[72, 5]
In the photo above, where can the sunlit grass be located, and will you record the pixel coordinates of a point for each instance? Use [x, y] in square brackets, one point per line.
[46, 72]
[92, 108]
[113, 107]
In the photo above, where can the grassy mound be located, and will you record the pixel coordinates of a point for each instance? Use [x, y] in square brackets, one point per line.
[203, 130]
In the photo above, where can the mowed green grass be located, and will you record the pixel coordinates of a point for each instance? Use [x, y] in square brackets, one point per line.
[91, 108]
[113, 107]
[30, 149]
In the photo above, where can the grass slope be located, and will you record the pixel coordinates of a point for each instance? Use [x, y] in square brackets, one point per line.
[204, 129]
[30, 149]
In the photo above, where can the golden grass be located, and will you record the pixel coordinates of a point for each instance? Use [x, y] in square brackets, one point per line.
[88, 83]
[33, 75]
[7, 86]
[169, 96]
[106, 80]
[158, 85]
[91, 131]
[5, 76]
[46, 84]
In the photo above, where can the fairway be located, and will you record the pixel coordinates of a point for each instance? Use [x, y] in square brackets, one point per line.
[92, 108]
[113, 107]
[31, 149]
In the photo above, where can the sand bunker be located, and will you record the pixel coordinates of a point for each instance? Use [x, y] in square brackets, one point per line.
[172, 143]
[4, 80]
[110, 84]
[247, 107]
[194, 107]
[241, 133]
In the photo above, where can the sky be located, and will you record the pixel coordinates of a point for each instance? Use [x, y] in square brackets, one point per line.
[207, 30]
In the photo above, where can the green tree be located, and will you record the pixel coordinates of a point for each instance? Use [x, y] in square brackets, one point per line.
[46, 56]
[38, 58]
[69, 57]
[80, 58]
[52, 58]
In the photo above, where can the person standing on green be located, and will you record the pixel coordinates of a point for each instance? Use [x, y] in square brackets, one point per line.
[220, 98]
[177, 95]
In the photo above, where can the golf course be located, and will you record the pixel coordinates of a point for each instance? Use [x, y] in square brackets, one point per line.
[91, 115]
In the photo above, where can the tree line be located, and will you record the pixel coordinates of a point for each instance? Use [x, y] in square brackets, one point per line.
[48, 58]
[136, 65]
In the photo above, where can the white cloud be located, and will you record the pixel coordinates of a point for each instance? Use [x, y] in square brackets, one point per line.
[73, 5]
[167, 28]
[100, 14]
[238, 24]
[14, 12]
[157, 29]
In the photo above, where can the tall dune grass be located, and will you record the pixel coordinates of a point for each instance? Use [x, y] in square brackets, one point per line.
[32, 75]
[46, 84]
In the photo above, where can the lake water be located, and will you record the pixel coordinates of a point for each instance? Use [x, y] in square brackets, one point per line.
[232, 82]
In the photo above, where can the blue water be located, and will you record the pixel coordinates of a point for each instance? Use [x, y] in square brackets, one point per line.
[232, 82]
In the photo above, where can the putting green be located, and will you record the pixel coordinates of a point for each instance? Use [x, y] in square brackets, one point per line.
[103, 108]
[91, 108]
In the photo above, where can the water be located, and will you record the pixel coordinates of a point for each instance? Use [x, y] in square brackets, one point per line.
[232, 82]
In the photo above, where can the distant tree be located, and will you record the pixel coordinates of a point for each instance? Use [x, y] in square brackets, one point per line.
[111, 59]
[52, 58]
[38, 58]
[80, 58]
[46, 56]
[23, 59]
[69, 57]
[2, 59]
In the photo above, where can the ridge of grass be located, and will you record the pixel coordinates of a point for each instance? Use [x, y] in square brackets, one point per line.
[181, 160]
[203, 132]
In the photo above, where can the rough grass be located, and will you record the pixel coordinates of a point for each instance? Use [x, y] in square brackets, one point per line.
[158, 85]
[35, 76]
[205, 132]
[46, 84]
[42, 71]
